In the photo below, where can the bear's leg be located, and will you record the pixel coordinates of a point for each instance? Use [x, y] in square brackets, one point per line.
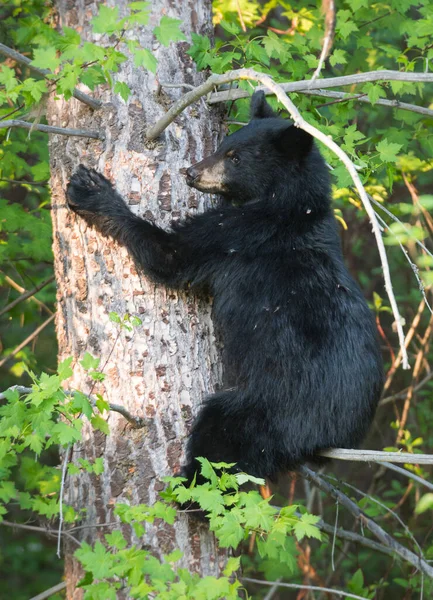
[231, 428]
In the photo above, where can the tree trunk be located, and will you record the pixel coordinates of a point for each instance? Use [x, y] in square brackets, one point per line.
[163, 369]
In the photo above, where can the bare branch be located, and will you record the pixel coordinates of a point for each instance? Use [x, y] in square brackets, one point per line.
[51, 532]
[96, 135]
[136, 422]
[28, 339]
[26, 295]
[297, 586]
[265, 80]
[351, 536]
[22, 290]
[328, 7]
[50, 592]
[402, 395]
[377, 456]
[380, 533]
[19, 58]
[343, 97]
[328, 82]
[62, 487]
[408, 474]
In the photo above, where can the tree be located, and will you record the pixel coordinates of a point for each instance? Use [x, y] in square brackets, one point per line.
[162, 369]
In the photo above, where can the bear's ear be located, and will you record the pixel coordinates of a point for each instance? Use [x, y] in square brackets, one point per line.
[295, 142]
[259, 108]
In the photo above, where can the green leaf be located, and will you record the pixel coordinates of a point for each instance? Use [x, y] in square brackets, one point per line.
[66, 434]
[388, 150]
[107, 20]
[89, 362]
[101, 404]
[232, 28]
[338, 57]
[424, 503]
[232, 565]
[100, 424]
[168, 31]
[45, 58]
[306, 527]
[275, 47]
[116, 540]
[144, 58]
[81, 404]
[64, 369]
[374, 92]
[173, 556]
[256, 51]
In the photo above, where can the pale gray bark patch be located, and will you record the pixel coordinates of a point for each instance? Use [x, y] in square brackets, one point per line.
[167, 366]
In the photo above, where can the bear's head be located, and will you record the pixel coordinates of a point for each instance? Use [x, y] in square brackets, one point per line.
[264, 157]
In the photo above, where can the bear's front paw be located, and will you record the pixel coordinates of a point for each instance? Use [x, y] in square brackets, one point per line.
[88, 191]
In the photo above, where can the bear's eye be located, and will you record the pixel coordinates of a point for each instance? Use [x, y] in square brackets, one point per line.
[235, 159]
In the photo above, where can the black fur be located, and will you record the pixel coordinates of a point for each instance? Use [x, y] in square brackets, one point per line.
[303, 370]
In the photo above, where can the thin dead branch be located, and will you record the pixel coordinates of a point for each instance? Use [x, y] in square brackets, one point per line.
[26, 295]
[328, 8]
[28, 339]
[86, 133]
[297, 586]
[375, 529]
[50, 592]
[378, 456]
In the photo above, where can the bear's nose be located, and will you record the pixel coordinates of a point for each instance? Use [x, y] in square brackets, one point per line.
[191, 174]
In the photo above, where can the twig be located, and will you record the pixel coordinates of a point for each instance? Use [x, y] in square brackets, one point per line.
[416, 371]
[350, 536]
[328, 82]
[328, 7]
[409, 474]
[273, 590]
[28, 294]
[26, 341]
[407, 341]
[343, 97]
[62, 488]
[136, 422]
[380, 533]
[378, 456]
[24, 182]
[402, 395]
[6, 51]
[241, 19]
[297, 586]
[334, 536]
[38, 530]
[249, 74]
[415, 270]
[96, 135]
[386, 508]
[50, 592]
[403, 226]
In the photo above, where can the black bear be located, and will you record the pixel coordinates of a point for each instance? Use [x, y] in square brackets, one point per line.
[303, 370]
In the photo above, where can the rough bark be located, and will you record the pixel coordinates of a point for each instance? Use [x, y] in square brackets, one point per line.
[162, 370]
